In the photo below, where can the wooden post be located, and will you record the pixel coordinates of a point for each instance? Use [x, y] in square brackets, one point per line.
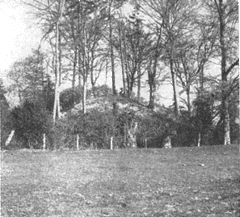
[77, 141]
[9, 138]
[199, 139]
[168, 142]
[145, 142]
[44, 142]
[111, 143]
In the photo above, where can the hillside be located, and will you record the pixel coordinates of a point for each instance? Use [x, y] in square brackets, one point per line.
[123, 104]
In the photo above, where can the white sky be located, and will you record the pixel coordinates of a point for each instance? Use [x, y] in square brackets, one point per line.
[18, 35]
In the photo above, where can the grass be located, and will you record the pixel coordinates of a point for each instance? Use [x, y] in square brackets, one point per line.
[155, 182]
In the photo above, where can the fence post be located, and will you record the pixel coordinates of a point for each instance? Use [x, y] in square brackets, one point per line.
[77, 141]
[9, 138]
[199, 139]
[44, 141]
[111, 143]
[145, 142]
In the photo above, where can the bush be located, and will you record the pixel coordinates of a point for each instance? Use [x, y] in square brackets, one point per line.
[155, 127]
[93, 127]
[30, 121]
[4, 119]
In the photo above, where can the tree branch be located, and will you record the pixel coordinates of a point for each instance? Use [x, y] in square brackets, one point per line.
[232, 66]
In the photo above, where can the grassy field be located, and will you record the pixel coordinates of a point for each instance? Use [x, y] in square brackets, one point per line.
[155, 182]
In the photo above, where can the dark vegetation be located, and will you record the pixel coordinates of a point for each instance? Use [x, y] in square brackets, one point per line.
[159, 42]
[32, 119]
[201, 182]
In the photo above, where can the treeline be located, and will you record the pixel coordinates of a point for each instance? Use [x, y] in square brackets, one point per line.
[158, 41]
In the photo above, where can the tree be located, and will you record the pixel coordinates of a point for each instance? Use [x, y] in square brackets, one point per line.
[29, 76]
[68, 98]
[4, 110]
[203, 109]
[56, 108]
[153, 63]
[30, 121]
[191, 61]
[226, 13]
[132, 44]
[49, 15]
[174, 18]
[84, 25]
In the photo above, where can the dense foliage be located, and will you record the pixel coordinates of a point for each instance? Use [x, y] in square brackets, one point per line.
[4, 113]
[30, 121]
[158, 41]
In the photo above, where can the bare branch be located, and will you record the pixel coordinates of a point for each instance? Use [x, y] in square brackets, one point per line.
[236, 63]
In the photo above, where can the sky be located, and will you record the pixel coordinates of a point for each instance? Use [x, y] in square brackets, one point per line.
[18, 35]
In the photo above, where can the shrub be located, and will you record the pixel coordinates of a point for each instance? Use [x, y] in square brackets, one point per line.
[30, 121]
[93, 127]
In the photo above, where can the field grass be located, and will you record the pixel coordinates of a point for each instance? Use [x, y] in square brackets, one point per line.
[154, 182]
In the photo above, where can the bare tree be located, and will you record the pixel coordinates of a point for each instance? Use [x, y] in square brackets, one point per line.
[154, 55]
[132, 44]
[174, 17]
[197, 49]
[29, 76]
[56, 108]
[226, 13]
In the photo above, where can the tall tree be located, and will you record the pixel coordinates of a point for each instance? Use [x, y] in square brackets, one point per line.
[110, 19]
[56, 108]
[4, 107]
[174, 17]
[29, 76]
[155, 52]
[132, 44]
[197, 49]
[227, 20]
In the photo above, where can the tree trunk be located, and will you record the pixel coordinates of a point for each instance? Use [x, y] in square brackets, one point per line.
[106, 73]
[122, 58]
[93, 79]
[77, 145]
[176, 109]
[139, 82]
[75, 59]
[79, 69]
[132, 135]
[112, 58]
[152, 93]
[74, 75]
[56, 108]
[127, 83]
[60, 58]
[111, 51]
[151, 100]
[84, 99]
[201, 79]
[188, 100]
[152, 86]
[152, 74]
[225, 110]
